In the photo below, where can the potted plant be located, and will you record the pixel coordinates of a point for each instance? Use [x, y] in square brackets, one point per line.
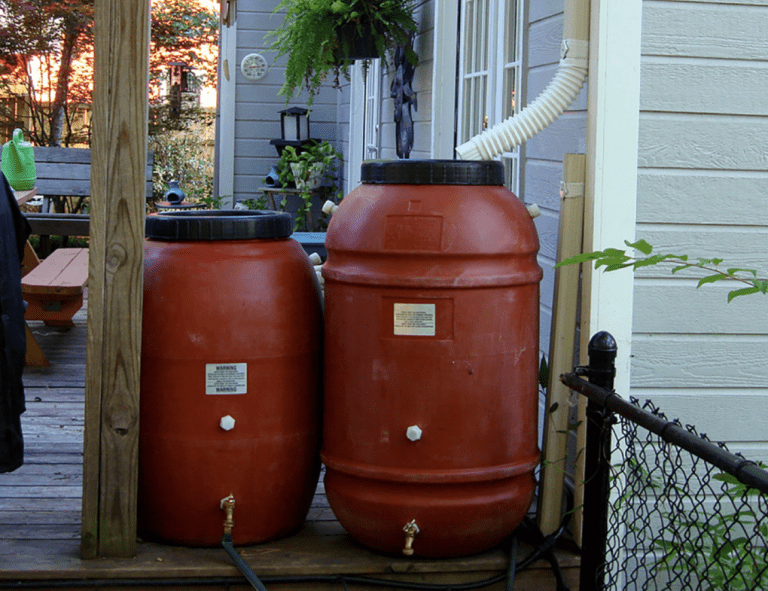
[322, 37]
[308, 168]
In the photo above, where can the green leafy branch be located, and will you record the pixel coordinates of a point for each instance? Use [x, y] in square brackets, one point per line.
[614, 259]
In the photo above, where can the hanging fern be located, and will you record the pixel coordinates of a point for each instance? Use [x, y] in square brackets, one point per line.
[319, 36]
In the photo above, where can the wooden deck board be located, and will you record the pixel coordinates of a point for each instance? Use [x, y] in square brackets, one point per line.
[40, 507]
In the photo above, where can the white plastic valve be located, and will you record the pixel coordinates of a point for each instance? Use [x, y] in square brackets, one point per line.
[533, 210]
[329, 207]
[413, 433]
[227, 423]
[315, 259]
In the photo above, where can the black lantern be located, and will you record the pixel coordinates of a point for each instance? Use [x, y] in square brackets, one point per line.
[294, 129]
[294, 124]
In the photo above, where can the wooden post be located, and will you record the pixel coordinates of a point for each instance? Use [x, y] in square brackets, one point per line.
[562, 344]
[118, 188]
[577, 526]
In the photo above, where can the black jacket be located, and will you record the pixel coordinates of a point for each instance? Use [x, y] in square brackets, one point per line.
[14, 231]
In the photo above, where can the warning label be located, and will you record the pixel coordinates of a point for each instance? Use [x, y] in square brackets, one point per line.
[226, 378]
[415, 320]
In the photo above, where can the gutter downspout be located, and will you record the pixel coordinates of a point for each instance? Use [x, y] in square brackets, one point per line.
[552, 102]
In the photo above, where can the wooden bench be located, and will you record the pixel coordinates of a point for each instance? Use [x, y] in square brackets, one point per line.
[66, 172]
[53, 290]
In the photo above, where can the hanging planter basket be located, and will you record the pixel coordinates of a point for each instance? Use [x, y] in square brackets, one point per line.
[322, 38]
[357, 46]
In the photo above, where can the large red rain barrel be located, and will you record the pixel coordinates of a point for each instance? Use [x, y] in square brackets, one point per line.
[230, 380]
[430, 366]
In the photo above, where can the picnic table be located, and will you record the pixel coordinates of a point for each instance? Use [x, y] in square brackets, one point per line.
[23, 196]
[52, 288]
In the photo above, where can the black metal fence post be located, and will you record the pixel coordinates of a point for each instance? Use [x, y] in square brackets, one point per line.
[600, 372]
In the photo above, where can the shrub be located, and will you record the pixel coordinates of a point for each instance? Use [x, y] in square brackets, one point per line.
[185, 155]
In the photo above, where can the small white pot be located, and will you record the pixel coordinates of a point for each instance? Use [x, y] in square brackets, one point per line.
[307, 180]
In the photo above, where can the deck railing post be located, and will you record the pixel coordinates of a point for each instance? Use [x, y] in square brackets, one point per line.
[600, 372]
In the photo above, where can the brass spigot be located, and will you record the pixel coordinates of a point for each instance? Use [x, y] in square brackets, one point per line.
[228, 505]
[410, 529]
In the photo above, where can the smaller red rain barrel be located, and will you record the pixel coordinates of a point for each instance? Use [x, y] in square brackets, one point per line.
[431, 358]
[230, 377]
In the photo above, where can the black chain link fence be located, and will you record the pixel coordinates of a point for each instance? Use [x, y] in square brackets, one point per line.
[677, 521]
[665, 508]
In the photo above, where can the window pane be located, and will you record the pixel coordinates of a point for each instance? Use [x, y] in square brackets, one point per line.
[467, 110]
[510, 30]
[484, 23]
[469, 35]
[510, 92]
[511, 173]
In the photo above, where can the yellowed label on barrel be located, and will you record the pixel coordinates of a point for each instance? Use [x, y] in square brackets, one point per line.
[415, 320]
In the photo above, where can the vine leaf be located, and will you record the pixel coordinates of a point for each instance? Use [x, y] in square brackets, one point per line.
[741, 292]
[613, 259]
[711, 279]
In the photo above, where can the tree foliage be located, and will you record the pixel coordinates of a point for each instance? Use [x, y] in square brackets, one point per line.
[40, 43]
[46, 58]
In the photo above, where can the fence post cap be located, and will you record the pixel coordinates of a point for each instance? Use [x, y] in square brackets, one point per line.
[602, 341]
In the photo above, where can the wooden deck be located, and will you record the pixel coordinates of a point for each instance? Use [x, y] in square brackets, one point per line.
[40, 515]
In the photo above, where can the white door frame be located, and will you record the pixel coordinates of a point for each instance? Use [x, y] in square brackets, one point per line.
[224, 166]
[364, 119]
[612, 152]
[445, 49]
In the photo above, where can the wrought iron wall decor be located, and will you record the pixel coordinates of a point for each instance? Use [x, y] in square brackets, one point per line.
[402, 91]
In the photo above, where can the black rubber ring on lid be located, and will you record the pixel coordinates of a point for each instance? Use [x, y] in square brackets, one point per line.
[433, 172]
[218, 225]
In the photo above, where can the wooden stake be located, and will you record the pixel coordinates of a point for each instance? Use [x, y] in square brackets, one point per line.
[562, 342]
[577, 526]
[113, 344]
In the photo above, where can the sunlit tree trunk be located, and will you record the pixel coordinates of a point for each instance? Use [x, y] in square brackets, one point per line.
[59, 108]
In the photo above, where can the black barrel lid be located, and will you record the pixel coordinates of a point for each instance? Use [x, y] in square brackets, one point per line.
[433, 172]
[227, 224]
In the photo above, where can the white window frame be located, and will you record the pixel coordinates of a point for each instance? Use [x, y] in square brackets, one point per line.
[481, 22]
[364, 119]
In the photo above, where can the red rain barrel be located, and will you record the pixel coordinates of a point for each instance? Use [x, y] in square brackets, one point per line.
[230, 377]
[431, 350]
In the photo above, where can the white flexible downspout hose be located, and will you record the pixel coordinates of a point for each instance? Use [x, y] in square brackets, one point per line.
[551, 103]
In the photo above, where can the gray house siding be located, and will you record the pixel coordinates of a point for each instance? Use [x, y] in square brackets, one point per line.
[543, 156]
[702, 181]
[257, 103]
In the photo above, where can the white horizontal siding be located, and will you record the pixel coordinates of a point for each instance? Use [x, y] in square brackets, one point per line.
[675, 306]
[704, 86]
[738, 246]
[682, 140]
[690, 196]
[705, 30]
[722, 414]
[688, 361]
[702, 181]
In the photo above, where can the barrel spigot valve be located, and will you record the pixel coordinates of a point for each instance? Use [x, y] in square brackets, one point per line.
[228, 506]
[410, 529]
